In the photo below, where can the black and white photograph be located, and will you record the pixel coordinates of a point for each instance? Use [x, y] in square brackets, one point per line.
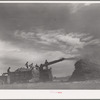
[50, 46]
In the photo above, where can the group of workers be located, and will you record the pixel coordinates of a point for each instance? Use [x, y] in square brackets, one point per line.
[40, 68]
[29, 66]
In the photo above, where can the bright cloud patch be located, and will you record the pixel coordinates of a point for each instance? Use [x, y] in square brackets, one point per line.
[75, 6]
[68, 43]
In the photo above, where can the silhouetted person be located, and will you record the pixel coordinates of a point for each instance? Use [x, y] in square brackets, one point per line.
[41, 67]
[46, 63]
[41, 72]
[31, 65]
[26, 64]
[8, 70]
[36, 66]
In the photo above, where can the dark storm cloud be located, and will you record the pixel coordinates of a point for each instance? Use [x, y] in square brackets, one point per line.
[87, 20]
[28, 17]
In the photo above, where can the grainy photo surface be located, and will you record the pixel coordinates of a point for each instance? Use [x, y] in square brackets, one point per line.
[50, 46]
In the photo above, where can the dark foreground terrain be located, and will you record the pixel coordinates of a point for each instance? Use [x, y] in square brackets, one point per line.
[54, 85]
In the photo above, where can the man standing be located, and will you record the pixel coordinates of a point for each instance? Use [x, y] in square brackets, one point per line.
[8, 77]
[8, 70]
[46, 64]
[37, 67]
[26, 64]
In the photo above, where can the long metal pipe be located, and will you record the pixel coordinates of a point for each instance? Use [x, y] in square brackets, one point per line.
[59, 60]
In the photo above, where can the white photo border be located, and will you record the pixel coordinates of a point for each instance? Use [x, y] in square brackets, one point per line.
[49, 94]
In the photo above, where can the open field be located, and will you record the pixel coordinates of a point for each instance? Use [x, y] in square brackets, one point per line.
[54, 85]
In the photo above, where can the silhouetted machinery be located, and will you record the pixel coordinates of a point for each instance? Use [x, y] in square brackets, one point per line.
[39, 73]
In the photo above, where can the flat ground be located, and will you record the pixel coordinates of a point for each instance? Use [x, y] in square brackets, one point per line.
[54, 85]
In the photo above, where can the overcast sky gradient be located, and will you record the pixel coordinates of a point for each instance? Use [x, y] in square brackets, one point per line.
[35, 32]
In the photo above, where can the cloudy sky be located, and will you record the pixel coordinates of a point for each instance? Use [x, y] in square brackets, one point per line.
[35, 32]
